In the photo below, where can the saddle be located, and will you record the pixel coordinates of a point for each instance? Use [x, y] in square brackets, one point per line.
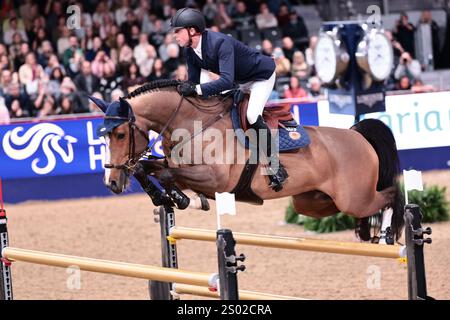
[290, 135]
[276, 116]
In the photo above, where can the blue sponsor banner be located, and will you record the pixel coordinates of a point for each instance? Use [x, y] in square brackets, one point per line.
[57, 148]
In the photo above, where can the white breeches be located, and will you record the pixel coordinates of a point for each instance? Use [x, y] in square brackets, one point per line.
[259, 94]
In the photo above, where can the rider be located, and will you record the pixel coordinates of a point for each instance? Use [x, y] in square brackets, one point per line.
[233, 61]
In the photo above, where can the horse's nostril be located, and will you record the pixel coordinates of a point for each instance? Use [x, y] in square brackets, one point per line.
[113, 184]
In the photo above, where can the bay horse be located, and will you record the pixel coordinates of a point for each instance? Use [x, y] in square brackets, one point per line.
[342, 170]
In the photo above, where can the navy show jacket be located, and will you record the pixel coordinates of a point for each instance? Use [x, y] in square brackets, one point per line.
[229, 58]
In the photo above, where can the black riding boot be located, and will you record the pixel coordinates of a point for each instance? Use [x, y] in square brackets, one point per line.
[277, 176]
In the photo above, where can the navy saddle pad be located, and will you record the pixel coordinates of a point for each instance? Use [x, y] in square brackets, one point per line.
[290, 138]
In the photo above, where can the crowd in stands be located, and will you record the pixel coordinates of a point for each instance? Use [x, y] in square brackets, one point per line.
[48, 67]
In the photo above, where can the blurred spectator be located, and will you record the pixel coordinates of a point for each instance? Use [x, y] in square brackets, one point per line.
[299, 67]
[123, 52]
[210, 11]
[109, 82]
[172, 63]
[148, 23]
[404, 33]
[100, 62]
[18, 101]
[181, 73]
[146, 66]
[54, 84]
[288, 48]
[426, 18]
[158, 71]
[158, 34]
[265, 19]
[53, 12]
[45, 51]
[4, 112]
[267, 47]
[121, 13]
[63, 42]
[53, 63]
[70, 96]
[126, 28]
[140, 50]
[5, 81]
[28, 11]
[283, 15]
[97, 46]
[86, 83]
[162, 50]
[408, 67]
[309, 53]
[132, 77]
[13, 29]
[41, 36]
[282, 64]
[295, 90]
[73, 56]
[241, 18]
[296, 30]
[396, 47]
[101, 12]
[315, 87]
[404, 83]
[420, 87]
[223, 20]
[87, 43]
[30, 73]
[142, 11]
[116, 94]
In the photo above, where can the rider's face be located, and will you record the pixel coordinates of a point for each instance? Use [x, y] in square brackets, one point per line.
[181, 36]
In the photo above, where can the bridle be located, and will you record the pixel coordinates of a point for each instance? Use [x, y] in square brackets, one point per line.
[133, 159]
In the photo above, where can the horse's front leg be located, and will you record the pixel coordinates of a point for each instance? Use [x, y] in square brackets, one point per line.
[206, 179]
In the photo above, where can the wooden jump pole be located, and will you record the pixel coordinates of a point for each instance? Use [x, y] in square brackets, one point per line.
[180, 288]
[306, 244]
[111, 267]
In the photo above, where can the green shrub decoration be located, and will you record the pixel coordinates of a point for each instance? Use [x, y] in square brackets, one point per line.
[431, 201]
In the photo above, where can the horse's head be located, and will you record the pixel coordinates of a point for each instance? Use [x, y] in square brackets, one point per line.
[126, 142]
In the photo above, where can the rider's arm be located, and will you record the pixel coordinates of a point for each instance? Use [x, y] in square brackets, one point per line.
[226, 68]
[193, 69]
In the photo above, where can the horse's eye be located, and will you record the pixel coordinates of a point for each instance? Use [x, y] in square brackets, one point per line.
[121, 136]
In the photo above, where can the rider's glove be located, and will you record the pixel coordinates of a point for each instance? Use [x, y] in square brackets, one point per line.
[187, 89]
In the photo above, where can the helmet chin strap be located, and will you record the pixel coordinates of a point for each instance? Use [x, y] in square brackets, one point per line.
[190, 37]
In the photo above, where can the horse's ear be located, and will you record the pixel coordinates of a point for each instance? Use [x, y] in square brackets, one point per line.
[103, 105]
[125, 108]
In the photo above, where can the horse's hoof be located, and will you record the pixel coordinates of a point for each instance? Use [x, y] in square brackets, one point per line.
[204, 202]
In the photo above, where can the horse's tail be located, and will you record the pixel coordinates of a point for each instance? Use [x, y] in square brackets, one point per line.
[382, 140]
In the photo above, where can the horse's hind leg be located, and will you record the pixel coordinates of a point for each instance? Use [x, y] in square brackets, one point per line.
[363, 205]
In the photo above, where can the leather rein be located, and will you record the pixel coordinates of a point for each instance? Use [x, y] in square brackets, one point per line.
[134, 158]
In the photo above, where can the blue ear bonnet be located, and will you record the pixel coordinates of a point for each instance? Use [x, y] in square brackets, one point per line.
[117, 112]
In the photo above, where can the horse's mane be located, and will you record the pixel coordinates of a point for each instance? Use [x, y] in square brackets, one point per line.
[153, 86]
[209, 106]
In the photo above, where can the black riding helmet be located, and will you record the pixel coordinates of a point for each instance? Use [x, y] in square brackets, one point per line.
[187, 18]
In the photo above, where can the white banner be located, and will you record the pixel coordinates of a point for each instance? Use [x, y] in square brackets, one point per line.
[417, 120]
